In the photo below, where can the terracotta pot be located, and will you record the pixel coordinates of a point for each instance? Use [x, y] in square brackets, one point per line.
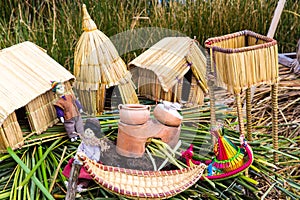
[166, 116]
[134, 114]
[132, 140]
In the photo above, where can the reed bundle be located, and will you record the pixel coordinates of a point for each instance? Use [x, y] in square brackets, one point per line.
[127, 90]
[7, 139]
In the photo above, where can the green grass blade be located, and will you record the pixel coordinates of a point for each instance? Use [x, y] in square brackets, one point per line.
[43, 167]
[25, 168]
[39, 163]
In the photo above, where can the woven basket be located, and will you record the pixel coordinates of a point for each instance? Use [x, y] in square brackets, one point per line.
[243, 59]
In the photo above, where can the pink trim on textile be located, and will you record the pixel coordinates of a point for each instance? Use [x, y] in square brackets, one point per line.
[82, 174]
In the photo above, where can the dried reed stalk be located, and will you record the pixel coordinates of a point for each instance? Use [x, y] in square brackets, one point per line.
[11, 125]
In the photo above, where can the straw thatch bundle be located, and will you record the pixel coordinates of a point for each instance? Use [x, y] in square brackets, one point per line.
[98, 66]
[161, 71]
[25, 90]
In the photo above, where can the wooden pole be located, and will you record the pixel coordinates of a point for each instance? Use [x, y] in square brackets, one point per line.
[272, 29]
[270, 34]
[72, 184]
[297, 61]
[276, 18]
[274, 89]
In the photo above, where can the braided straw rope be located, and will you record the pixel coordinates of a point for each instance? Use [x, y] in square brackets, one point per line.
[240, 114]
[249, 115]
[142, 184]
[275, 120]
[211, 83]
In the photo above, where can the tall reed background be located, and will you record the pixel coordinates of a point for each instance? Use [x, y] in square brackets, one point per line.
[56, 25]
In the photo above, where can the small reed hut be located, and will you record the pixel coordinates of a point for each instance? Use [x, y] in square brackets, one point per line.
[25, 90]
[173, 69]
[97, 67]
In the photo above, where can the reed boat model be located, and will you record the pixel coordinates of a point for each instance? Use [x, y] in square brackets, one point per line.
[229, 160]
[248, 156]
[137, 184]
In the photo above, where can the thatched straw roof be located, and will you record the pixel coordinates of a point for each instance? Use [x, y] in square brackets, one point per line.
[96, 59]
[171, 58]
[26, 72]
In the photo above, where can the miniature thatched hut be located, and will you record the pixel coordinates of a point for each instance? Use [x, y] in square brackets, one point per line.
[98, 67]
[173, 69]
[25, 90]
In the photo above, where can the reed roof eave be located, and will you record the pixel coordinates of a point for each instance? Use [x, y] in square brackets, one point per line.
[171, 58]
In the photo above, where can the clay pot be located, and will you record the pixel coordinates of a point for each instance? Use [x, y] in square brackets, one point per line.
[134, 114]
[166, 116]
[132, 140]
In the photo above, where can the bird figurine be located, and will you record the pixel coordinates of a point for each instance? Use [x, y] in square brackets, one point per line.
[188, 155]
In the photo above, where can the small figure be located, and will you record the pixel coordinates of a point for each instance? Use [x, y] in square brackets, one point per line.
[188, 155]
[68, 110]
[92, 145]
[212, 170]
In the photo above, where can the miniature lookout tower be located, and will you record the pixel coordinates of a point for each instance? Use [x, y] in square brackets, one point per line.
[238, 61]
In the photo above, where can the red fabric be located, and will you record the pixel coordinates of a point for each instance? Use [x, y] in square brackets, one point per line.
[82, 174]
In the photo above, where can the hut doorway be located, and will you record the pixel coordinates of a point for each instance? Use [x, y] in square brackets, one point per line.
[22, 118]
[112, 98]
[186, 86]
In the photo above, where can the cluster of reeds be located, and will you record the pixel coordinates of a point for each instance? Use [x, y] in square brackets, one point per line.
[56, 25]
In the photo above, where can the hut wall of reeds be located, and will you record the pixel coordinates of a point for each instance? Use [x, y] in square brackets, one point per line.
[173, 69]
[25, 89]
[97, 67]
